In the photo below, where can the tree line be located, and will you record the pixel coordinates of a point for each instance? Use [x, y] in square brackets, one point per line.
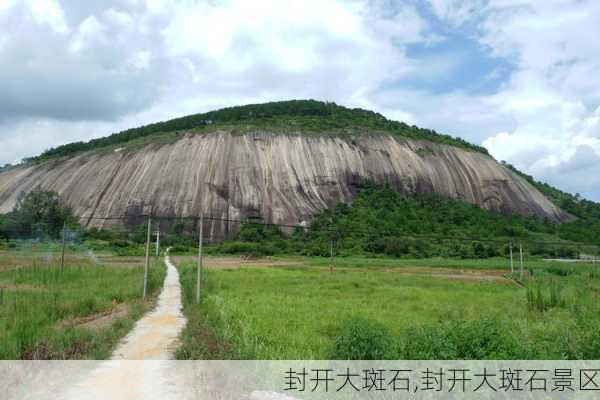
[39, 213]
[309, 114]
[379, 221]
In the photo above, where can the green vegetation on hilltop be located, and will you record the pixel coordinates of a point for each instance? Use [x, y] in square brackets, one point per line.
[587, 226]
[293, 115]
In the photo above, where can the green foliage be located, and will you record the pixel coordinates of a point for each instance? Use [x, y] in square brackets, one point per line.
[42, 323]
[6, 226]
[586, 227]
[38, 213]
[254, 249]
[481, 339]
[363, 339]
[542, 299]
[269, 313]
[297, 115]
[132, 242]
[381, 221]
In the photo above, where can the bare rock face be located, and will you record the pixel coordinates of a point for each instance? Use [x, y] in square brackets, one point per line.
[279, 178]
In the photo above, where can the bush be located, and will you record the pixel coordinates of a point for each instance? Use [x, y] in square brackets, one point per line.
[537, 300]
[120, 243]
[560, 270]
[362, 339]
[253, 249]
[462, 340]
[178, 249]
[100, 234]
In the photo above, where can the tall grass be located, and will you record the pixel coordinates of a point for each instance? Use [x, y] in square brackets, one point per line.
[39, 302]
[303, 313]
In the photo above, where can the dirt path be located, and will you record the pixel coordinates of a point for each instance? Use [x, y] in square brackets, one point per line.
[140, 366]
[154, 337]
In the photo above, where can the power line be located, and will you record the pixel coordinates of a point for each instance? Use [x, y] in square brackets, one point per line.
[384, 233]
[339, 232]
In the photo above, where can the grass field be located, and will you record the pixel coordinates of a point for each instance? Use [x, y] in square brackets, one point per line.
[297, 308]
[416, 309]
[81, 313]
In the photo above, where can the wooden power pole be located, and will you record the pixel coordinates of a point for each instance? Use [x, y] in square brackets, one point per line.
[521, 258]
[158, 241]
[147, 265]
[64, 240]
[199, 266]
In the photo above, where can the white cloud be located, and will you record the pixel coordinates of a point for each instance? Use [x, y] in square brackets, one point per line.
[551, 96]
[100, 68]
[72, 70]
[457, 11]
[49, 12]
[88, 31]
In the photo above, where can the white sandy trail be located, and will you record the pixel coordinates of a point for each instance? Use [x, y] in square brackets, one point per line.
[154, 338]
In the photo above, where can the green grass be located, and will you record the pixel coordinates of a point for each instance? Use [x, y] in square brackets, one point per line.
[40, 307]
[498, 263]
[304, 313]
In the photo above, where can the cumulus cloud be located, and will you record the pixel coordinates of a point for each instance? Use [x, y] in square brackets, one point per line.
[84, 71]
[72, 70]
[544, 117]
[552, 94]
[128, 61]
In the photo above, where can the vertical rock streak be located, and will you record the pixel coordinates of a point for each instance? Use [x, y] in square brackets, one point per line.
[279, 178]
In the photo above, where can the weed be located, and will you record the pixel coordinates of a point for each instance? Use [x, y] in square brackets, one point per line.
[486, 338]
[542, 298]
[363, 339]
[39, 298]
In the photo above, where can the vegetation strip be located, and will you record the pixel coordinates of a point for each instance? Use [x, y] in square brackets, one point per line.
[295, 115]
[42, 324]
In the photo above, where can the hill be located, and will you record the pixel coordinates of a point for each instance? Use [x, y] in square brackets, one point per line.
[283, 162]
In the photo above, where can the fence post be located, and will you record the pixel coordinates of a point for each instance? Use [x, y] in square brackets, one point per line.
[512, 265]
[521, 258]
[62, 257]
[199, 266]
[147, 264]
[158, 241]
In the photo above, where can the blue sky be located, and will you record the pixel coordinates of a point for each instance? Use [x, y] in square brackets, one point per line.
[472, 67]
[518, 77]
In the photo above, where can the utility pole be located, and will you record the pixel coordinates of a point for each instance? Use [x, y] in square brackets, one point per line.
[62, 257]
[521, 257]
[158, 241]
[199, 266]
[512, 266]
[147, 265]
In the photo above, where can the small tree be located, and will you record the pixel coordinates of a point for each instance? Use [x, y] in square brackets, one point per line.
[42, 211]
[6, 226]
